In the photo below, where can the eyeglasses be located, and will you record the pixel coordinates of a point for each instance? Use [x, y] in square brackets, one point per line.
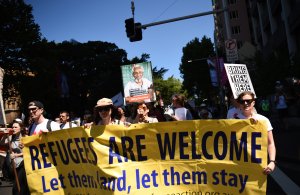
[105, 109]
[246, 101]
[32, 109]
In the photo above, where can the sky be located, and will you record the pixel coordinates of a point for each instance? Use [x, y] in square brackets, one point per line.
[104, 20]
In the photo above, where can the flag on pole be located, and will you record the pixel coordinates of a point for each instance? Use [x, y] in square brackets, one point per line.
[213, 72]
[216, 65]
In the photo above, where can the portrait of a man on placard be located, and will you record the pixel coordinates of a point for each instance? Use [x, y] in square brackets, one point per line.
[137, 83]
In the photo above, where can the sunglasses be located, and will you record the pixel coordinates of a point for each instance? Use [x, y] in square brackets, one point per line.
[32, 109]
[105, 109]
[246, 101]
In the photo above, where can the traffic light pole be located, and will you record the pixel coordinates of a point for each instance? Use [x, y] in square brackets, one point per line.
[140, 27]
[181, 18]
[134, 30]
[221, 94]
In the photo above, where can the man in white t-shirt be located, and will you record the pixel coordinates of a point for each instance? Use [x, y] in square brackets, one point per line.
[40, 123]
[65, 122]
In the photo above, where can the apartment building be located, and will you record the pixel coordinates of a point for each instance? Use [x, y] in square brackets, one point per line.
[266, 25]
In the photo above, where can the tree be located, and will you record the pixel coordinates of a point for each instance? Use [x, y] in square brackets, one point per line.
[167, 88]
[195, 74]
[18, 35]
[91, 69]
[35, 68]
[144, 58]
[159, 74]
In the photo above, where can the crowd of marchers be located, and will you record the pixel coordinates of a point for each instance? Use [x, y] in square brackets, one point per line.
[105, 113]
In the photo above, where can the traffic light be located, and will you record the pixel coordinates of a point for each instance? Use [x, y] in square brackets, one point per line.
[129, 25]
[137, 33]
[133, 30]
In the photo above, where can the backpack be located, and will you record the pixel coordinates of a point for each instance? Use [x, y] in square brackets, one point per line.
[48, 127]
[62, 125]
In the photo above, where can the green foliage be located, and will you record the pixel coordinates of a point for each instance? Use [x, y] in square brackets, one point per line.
[18, 35]
[167, 88]
[195, 74]
[159, 74]
[91, 68]
[144, 58]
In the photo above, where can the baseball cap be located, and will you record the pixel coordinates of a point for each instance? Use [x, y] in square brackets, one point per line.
[36, 103]
[104, 102]
[18, 120]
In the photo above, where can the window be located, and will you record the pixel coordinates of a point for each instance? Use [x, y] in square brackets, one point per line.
[231, 2]
[233, 14]
[235, 30]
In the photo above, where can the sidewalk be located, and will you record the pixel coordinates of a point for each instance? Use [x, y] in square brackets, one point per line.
[5, 187]
[286, 184]
[287, 140]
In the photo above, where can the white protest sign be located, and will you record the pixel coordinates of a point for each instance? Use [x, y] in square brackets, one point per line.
[239, 78]
[231, 50]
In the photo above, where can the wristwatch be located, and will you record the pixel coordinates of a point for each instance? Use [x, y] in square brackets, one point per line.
[273, 161]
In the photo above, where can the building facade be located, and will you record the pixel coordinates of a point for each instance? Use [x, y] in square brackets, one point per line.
[268, 25]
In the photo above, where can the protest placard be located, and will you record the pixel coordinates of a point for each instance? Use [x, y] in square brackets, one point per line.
[138, 83]
[239, 79]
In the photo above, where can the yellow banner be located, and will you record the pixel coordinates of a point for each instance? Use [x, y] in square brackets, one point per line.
[170, 158]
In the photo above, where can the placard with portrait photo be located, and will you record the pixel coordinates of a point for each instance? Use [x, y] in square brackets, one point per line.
[138, 83]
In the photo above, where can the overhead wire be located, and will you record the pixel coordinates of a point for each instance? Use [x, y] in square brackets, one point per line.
[165, 10]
